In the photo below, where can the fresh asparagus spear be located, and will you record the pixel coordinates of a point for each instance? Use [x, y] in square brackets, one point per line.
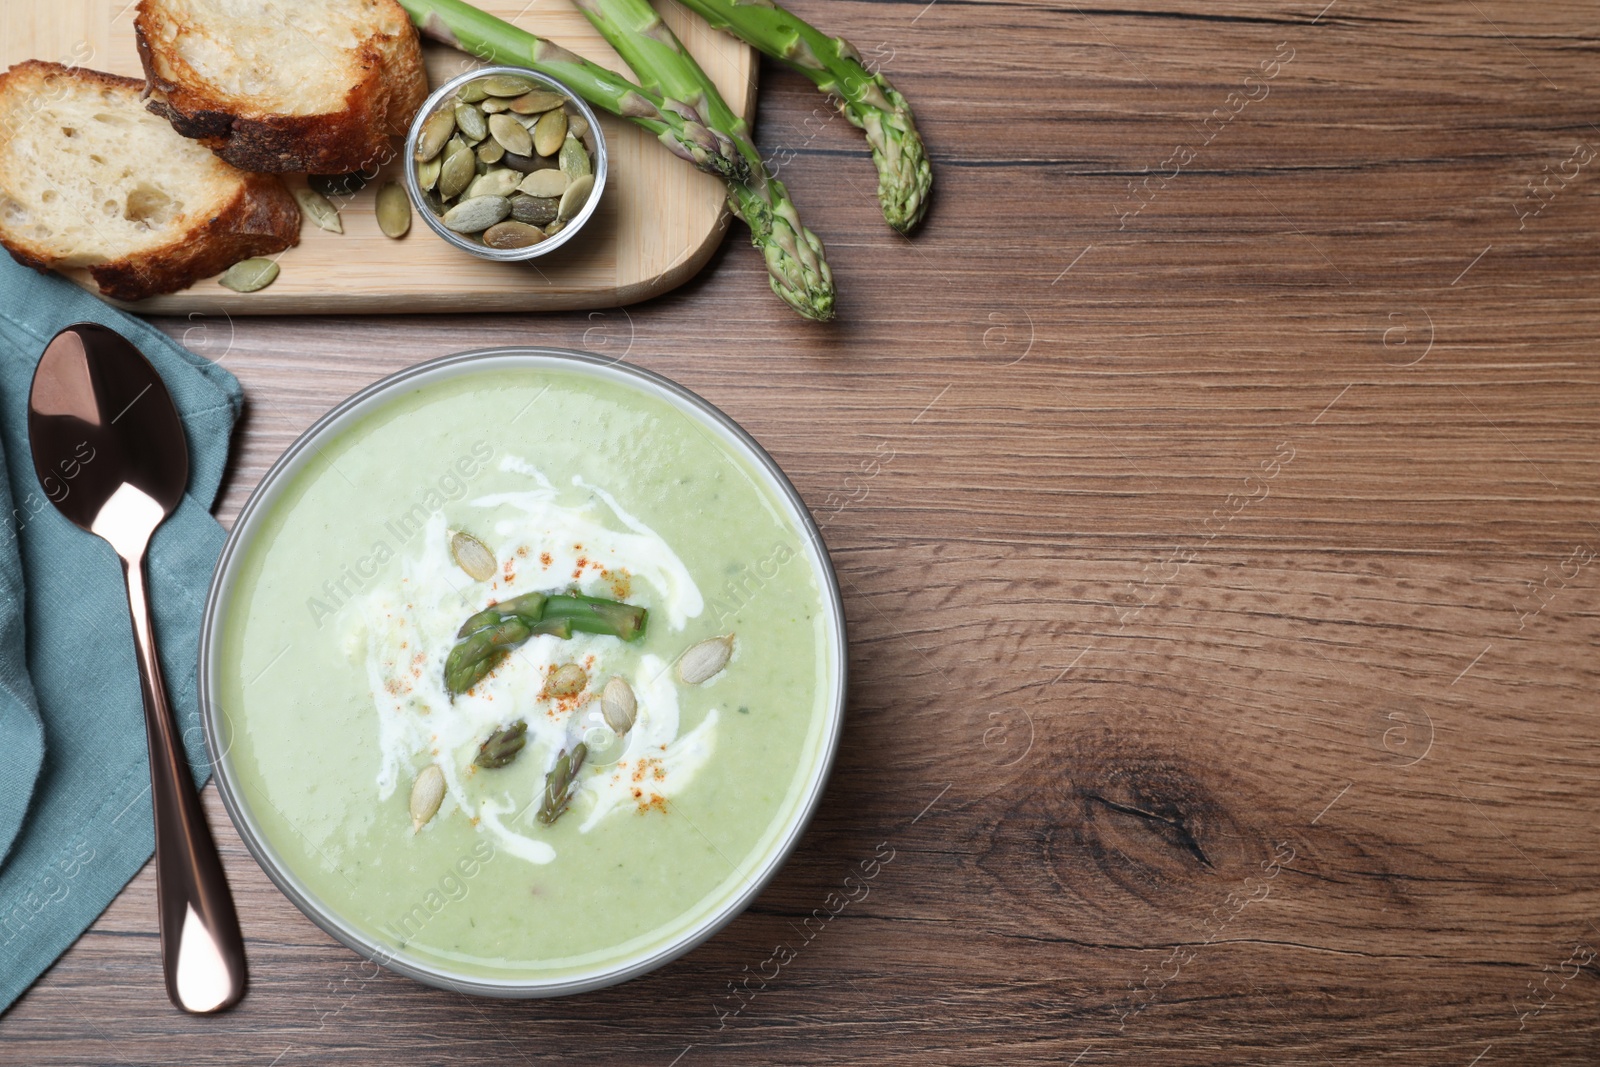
[793, 254]
[676, 125]
[905, 176]
[798, 272]
[486, 638]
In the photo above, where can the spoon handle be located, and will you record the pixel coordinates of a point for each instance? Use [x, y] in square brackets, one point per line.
[201, 947]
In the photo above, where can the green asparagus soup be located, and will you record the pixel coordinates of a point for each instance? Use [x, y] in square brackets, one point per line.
[523, 674]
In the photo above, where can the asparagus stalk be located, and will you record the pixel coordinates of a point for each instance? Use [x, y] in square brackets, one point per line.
[793, 254]
[798, 272]
[486, 638]
[866, 98]
[595, 615]
[676, 125]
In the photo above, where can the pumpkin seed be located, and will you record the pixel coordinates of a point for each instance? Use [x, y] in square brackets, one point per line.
[473, 556]
[501, 181]
[534, 210]
[337, 184]
[491, 152]
[704, 661]
[526, 164]
[471, 123]
[575, 197]
[319, 210]
[477, 214]
[428, 173]
[394, 210]
[550, 133]
[618, 705]
[427, 793]
[512, 234]
[435, 132]
[509, 132]
[511, 170]
[566, 680]
[544, 183]
[505, 85]
[457, 173]
[536, 102]
[574, 160]
[248, 275]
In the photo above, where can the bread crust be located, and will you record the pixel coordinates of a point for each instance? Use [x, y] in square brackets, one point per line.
[43, 68]
[356, 135]
[260, 219]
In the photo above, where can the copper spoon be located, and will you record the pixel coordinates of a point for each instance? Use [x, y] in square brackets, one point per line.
[110, 453]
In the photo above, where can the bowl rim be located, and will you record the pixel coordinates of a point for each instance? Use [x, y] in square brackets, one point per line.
[503, 255]
[265, 493]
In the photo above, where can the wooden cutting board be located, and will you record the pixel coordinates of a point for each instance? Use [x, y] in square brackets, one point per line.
[658, 224]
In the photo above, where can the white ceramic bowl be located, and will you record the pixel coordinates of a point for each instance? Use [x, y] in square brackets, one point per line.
[250, 526]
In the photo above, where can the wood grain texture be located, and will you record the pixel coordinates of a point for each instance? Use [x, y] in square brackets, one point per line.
[657, 225]
[1223, 676]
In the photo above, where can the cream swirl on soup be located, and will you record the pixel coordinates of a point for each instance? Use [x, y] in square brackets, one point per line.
[543, 539]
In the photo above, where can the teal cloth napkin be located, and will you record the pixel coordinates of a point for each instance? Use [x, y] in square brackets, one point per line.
[75, 820]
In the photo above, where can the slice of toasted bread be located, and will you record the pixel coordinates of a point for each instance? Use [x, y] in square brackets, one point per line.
[281, 85]
[89, 178]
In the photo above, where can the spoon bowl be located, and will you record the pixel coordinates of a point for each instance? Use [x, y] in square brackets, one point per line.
[94, 398]
[110, 452]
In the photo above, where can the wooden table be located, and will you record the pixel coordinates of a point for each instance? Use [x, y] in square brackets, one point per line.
[1212, 485]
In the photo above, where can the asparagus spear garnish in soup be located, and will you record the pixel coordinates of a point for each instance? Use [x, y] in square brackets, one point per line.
[561, 783]
[596, 615]
[502, 746]
[488, 637]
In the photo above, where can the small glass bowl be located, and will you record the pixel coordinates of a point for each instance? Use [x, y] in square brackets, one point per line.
[595, 142]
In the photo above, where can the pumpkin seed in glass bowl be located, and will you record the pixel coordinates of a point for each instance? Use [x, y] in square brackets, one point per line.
[505, 163]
